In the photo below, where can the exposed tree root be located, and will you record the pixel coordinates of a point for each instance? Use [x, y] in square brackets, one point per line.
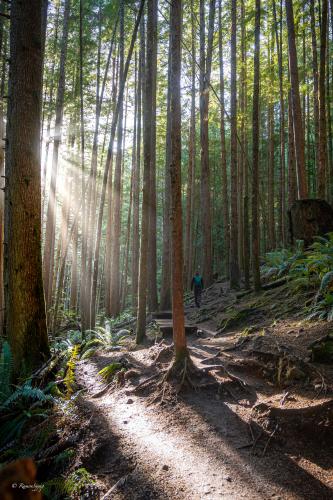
[325, 408]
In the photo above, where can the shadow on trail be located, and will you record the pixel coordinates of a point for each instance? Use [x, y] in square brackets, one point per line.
[111, 462]
[231, 435]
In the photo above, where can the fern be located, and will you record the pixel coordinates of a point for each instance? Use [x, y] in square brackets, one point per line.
[26, 404]
[24, 393]
[108, 372]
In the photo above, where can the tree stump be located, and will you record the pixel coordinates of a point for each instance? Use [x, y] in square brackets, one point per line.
[310, 218]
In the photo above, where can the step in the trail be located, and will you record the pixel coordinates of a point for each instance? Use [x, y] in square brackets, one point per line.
[166, 327]
[162, 315]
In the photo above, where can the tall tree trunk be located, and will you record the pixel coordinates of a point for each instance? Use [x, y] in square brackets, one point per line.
[25, 306]
[3, 53]
[116, 193]
[234, 263]
[255, 153]
[108, 242]
[136, 179]
[270, 200]
[165, 295]
[49, 244]
[224, 174]
[147, 131]
[322, 164]
[205, 71]
[83, 289]
[282, 201]
[302, 187]
[175, 174]
[152, 52]
[242, 164]
[292, 182]
[92, 185]
[315, 82]
[329, 121]
[191, 167]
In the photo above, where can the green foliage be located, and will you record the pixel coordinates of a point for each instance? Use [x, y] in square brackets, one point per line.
[104, 339]
[108, 372]
[79, 484]
[279, 262]
[310, 269]
[69, 380]
[26, 404]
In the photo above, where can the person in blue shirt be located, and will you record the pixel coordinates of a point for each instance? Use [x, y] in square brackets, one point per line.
[197, 286]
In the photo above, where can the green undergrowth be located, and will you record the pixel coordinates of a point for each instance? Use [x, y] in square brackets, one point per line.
[35, 413]
[309, 270]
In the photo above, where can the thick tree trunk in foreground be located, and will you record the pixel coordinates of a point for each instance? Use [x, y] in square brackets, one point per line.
[296, 104]
[255, 154]
[25, 306]
[175, 173]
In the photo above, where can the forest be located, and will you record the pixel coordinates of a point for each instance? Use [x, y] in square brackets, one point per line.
[166, 249]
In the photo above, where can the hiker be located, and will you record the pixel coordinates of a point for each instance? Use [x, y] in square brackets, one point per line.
[197, 287]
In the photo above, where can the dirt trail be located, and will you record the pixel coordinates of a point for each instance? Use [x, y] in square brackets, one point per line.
[199, 449]
[205, 445]
[172, 457]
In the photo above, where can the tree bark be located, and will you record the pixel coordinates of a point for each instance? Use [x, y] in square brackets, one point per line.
[152, 250]
[116, 192]
[322, 164]
[315, 81]
[191, 167]
[205, 71]
[255, 153]
[302, 187]
[292, 182]
[175, 174]
[234, 262]
[25, 306]
[137, 173]
[224, 174]
[165, 295]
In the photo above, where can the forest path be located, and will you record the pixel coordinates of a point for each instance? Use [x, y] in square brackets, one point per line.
[169, 454]
[208, 444]
[200, 447]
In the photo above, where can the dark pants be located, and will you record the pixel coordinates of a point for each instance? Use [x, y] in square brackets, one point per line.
[197, 296]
